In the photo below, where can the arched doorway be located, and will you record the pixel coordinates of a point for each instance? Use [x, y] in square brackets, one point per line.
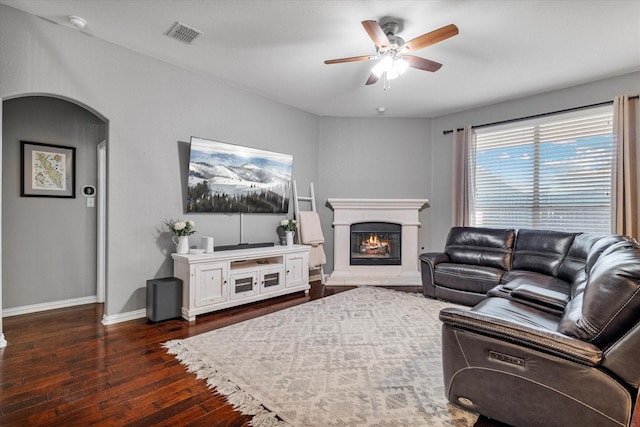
[50, 256]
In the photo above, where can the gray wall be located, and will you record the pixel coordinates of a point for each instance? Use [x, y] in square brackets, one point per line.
[49, 244]
[373, 158]
[441, 160]
[152, 109]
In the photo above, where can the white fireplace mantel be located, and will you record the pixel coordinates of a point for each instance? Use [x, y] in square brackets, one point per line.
[399, 211]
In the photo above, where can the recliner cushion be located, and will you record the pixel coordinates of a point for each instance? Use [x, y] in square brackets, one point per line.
[541, 251]
[487, 247]
[469, 278]
[576, 258]
[599, 247]
[610, 303]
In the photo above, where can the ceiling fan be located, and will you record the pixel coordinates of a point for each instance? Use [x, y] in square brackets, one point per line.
[392, 50]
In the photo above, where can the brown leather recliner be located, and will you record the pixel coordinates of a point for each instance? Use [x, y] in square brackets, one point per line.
[529, 354]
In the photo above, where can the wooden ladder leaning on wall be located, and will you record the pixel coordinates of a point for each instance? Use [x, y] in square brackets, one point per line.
[296, 214]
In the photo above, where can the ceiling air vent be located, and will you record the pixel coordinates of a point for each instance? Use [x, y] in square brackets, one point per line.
[183, 32]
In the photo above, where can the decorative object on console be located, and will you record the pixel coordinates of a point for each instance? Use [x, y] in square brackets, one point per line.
[207, 244]
[366, 356]
[181, 230]
[289, 224]
[182, 244]
[47, 170]
[289, 235]
[289, 227]
[228, 178]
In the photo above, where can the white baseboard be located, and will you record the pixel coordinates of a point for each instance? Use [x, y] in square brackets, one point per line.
[3, 342]
[35, 308]
[124, 317]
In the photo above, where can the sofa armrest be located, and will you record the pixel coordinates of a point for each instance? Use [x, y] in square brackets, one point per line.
[428, 262]
[526, 333]
[434, 258]
[552, 298]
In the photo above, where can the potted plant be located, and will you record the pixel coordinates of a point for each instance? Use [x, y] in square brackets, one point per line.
[181, 231]
[289, 226]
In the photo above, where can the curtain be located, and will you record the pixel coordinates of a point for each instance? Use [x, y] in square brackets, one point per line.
[626, 131]
[462, 142]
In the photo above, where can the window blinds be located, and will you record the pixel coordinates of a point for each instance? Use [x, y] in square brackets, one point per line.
[552, 173]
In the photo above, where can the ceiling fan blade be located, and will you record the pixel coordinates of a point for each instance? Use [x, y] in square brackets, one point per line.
[351, 59]
[421, 63]
[372, 79]
[375, 32]
[430, 38]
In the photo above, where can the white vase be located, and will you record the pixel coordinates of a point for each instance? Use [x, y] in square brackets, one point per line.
[182, 244]
[289, 235]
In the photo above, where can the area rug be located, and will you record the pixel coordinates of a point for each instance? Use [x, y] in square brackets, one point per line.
[364, 357]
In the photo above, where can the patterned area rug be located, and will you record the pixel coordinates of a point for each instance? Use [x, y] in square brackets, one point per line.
[365, 357]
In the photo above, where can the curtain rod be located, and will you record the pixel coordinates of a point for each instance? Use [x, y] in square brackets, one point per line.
[446, 132]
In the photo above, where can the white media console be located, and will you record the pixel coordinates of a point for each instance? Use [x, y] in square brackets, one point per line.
[229, 278]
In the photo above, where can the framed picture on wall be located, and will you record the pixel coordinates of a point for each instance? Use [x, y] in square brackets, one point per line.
[47, 170]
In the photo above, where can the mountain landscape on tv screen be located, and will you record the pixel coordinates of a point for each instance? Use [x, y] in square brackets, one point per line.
[249, 181]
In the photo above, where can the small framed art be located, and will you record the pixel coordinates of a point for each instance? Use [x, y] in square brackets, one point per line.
[47, 170]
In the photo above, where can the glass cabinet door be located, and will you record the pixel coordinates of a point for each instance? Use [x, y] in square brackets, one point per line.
[243, 284]
[271, 279]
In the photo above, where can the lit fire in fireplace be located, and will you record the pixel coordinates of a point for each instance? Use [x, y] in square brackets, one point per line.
[375, 246]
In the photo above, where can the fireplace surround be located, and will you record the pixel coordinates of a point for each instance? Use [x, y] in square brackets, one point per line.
[401, 215]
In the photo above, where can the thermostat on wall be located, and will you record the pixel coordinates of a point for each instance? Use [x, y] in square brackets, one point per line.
[89, 191]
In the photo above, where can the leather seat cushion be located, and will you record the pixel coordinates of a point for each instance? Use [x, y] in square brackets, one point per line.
[470, 278]
[513, 278]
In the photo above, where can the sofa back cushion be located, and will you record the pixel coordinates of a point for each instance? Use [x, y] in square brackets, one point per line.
[488, 247]
[576, 259]
[541, 251]
[599, 247]
[610, 304]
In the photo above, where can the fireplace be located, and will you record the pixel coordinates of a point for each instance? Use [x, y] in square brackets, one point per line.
[375, 243]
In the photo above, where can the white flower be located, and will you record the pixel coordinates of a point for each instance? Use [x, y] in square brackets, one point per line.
[288, 224]
[180, 228]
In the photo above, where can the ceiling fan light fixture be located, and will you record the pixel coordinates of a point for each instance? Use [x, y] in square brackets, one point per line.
[392, 67]
[385, 64]
[390, 49]
[392, 74]
[400, 65]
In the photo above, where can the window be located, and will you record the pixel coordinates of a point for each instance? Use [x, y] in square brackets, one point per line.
[551, 173]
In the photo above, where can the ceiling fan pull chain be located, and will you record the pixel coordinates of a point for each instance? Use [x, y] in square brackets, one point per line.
[386, 83]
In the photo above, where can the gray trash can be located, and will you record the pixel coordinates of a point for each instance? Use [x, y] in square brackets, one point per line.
[164, 298]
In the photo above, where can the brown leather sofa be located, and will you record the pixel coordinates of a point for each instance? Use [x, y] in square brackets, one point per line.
[554, 336]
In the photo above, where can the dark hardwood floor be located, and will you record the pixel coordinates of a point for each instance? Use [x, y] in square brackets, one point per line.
[63, 368]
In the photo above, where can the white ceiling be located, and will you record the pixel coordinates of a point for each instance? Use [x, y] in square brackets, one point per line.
[506, 49]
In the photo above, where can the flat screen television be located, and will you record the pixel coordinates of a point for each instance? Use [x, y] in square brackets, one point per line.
[229, 178]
